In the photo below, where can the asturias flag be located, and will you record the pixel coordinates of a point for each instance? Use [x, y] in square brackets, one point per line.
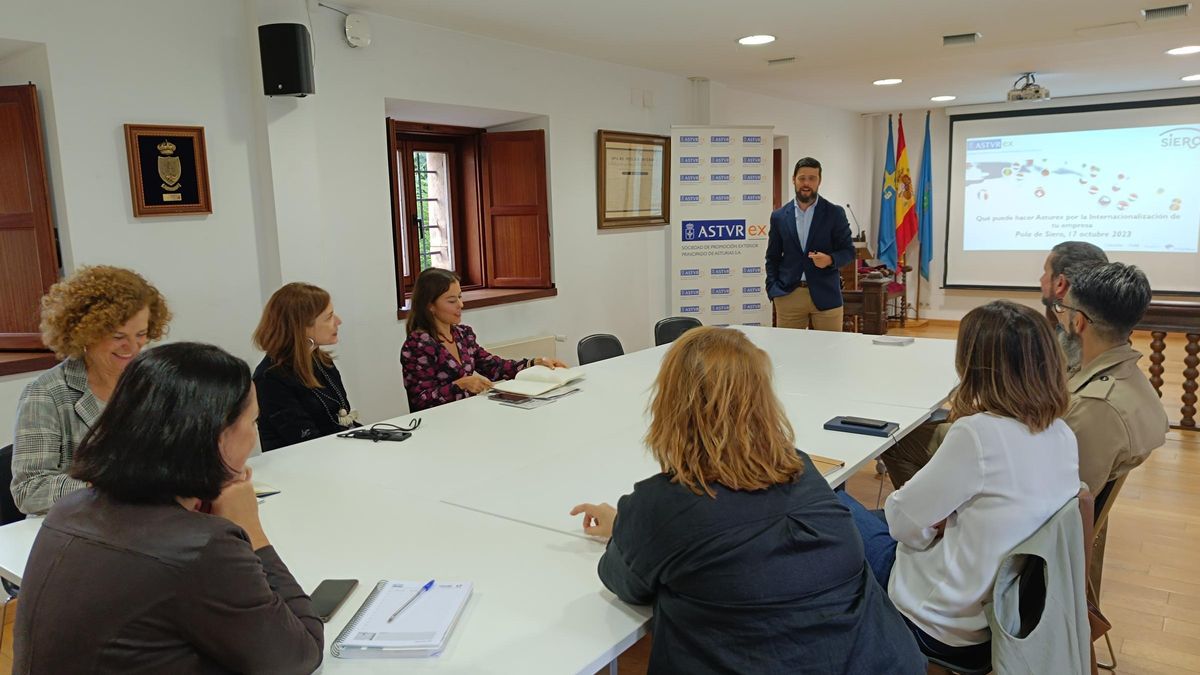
[925, 204]
[886, 250]
[906, 213]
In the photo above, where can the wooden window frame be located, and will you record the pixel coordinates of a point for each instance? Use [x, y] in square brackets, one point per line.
[23, 351]
[471, 210]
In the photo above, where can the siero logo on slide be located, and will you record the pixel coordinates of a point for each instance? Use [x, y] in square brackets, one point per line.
[689, 198]
[685, 292]
[752, 178]
[751, 290]
[714, 230]
[690, 272]
[751, 306]
[689, 178]
[718, 140]
[689, 159]
[720, 291]
[1181, 137]
[719, 159]
[985, 144]
[719, 178]
[751, 140]
[689, 309]
[719, 309]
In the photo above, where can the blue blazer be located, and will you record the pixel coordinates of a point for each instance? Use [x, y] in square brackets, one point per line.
[787, 258]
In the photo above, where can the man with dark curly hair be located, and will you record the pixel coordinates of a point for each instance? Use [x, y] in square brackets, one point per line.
[96, 320]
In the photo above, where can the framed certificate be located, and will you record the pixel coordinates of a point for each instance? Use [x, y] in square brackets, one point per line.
[168, 170]
[631, 180]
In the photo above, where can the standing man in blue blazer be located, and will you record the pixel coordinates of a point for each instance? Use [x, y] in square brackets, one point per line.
[809, 241]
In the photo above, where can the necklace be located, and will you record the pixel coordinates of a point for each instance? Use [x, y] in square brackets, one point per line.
[345, 417]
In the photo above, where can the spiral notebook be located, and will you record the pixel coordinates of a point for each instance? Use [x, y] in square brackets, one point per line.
[421, 629]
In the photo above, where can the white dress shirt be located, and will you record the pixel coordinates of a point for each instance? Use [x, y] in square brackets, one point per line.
[994, 483]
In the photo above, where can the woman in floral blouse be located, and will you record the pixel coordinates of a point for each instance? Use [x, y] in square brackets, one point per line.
[441, 360]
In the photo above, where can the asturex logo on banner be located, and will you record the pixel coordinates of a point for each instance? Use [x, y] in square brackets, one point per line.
[714, 230]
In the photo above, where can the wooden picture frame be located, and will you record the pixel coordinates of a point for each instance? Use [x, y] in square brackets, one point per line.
[168, 170]
[632, 179]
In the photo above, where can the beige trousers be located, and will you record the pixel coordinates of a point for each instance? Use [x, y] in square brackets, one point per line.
[796, 310]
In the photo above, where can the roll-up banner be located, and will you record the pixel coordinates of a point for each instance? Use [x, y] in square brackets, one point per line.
[722, 182]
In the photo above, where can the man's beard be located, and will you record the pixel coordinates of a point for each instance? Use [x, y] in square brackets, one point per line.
[1072, 346]
[1049, 300]
[812, 197]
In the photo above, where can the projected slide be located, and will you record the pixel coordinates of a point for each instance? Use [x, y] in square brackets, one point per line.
[1127, 189]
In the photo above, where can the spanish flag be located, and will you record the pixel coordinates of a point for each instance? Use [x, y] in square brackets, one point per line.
[906, 212]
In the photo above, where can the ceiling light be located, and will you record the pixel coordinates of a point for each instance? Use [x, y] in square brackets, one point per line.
[1191, 78]
[942, 99]
[1184, 51]
[757, 40]
[888, 81]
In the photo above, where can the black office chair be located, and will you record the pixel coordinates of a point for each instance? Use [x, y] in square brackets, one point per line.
[598, 347]
[669, 329]
[9, 513]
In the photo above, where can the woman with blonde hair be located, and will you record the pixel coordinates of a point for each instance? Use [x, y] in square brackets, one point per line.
[300, 391]
[750, 562]
[96, 321]
[1007, 464]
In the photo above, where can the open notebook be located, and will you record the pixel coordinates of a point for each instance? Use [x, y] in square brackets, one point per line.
[537, 380]
[421, 629]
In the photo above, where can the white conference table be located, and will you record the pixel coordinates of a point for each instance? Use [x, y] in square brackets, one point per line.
[481, 493]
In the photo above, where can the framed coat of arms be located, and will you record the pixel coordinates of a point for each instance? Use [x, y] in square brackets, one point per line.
[168, 170]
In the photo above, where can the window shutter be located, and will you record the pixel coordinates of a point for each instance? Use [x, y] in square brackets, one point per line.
[28, 260]
[516, 221]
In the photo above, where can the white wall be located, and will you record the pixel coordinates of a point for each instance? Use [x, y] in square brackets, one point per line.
[145, 61]
[300, 186]
[937, 302]
[834, 137]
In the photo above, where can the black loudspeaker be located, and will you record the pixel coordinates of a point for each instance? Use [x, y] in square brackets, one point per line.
[287, 65]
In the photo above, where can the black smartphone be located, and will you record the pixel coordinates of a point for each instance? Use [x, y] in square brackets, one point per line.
[864, 422]
[330, 595]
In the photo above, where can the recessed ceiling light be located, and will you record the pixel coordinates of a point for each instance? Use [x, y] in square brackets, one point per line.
[942, 99]
[888, 81]
[757, 40]
[1191, 78]
[1184, 51]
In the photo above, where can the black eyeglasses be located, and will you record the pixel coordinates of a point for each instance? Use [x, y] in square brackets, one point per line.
[382, 431]
[1060, 308]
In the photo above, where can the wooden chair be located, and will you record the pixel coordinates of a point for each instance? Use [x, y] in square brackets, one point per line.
[1032, 583]
[1104, 504]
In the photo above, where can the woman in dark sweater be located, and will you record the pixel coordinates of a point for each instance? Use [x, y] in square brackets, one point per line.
[162, 565]
[751, 563]
[300, 390]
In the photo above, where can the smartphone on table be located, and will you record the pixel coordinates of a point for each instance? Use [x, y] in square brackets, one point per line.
[330, 595]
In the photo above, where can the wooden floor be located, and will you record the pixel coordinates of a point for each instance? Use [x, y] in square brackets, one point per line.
[1151, 589]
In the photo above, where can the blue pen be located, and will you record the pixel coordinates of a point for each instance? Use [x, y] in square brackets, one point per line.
[416, 595]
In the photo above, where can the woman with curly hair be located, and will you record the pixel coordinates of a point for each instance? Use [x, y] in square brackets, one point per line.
[96, 320]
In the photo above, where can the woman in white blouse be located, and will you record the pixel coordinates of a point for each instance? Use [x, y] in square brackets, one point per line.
[1006, 466]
